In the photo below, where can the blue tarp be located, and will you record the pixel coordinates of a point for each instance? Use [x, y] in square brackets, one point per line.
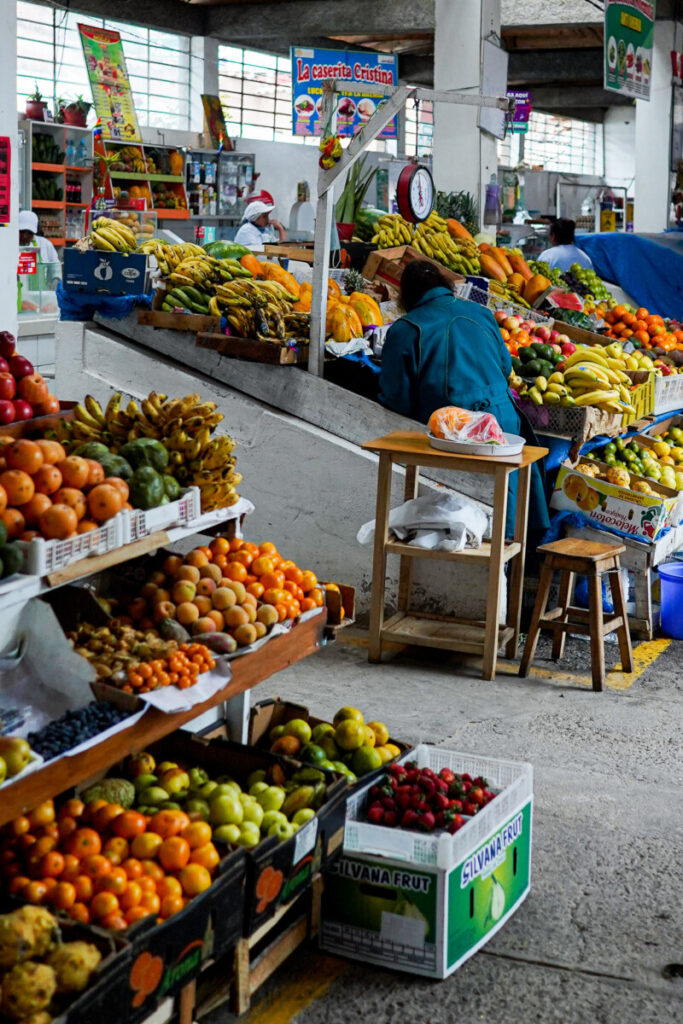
[75, 305]
[650, 272]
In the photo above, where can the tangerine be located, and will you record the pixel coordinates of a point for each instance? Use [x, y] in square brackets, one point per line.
[120, 485]
[18, 486]
[103, 904]
[129, 824]
[174, 853]
[95, 473]
[75, 472]
[25, 455]
[104, 501]
[13, 520]
[58, 522]
[62, 896]
[34, 508]
[53, 453]
[195, 878]
[79, 912]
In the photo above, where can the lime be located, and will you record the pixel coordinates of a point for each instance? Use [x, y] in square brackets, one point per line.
[313, 754]
[348, 713]
[366, 759]
[349, 734]
[299, 728]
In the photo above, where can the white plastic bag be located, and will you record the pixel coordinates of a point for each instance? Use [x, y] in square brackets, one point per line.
[449, 516]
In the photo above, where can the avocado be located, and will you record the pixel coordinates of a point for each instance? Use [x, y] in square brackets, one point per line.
[116, 465]
[516, 363]
[92, 450]
[527, 353]
[171, 486]
[147, 488]
[534, 369]
[12, 560]
[547, 368]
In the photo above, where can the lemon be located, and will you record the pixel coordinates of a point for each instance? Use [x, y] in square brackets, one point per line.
[393, 749]
[349, 735]
[365, 759]
[370, 738]
[384, 754]
[347, 712]
[381, 732]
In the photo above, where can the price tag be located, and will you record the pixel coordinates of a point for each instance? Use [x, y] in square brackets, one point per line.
[28, 263]
[305, 839]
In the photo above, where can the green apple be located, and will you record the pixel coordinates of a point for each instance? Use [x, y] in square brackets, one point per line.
[3, 770]
[225, 789]
[330, 747]
[226, 834]
[299, 728]
[254, 812]
[283, 830]
[153, 796]
[207, 789]
[272, 799]
[15, 752]
[256, 788]
[143, 782]
[302, 816]
[166, 766]
[276, 732]
[249, 834]
[245, 798]
[170, 805]
[270, 818]
[226, 810]
[321, 730]
[197, 809]
[174, 781]
[258, 776]
[220, 779]
[198, 777]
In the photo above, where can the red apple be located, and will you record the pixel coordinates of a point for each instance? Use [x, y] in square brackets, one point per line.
[511, 323]
[20, 366]
[567, 348]
[500, 316]
[6, 412]
[556, 348]
[7, 344]
[22, 409]
[555, 336]
[542, 332]
[8, 386]
[4, 365]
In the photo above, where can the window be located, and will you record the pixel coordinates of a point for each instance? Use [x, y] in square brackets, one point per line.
[419, 128]
[564, 144]
[49, 52]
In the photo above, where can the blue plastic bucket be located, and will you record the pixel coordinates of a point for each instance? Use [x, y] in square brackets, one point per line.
[671, 576]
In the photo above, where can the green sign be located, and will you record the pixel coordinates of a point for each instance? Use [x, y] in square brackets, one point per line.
[487, 885]
[629, 33]
[110, 85]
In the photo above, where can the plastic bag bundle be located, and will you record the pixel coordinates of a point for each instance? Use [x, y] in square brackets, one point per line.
[454, 424]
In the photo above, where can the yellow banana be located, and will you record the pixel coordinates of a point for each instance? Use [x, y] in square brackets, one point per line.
[585, 356]
[593, 397]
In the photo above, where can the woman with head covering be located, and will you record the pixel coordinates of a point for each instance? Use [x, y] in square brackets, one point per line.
[28, 235]
[257, 225]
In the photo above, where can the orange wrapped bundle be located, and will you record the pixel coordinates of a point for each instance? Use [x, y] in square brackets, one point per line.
[453, 424]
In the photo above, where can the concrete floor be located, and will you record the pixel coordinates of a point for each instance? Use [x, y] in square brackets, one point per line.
[604, 917]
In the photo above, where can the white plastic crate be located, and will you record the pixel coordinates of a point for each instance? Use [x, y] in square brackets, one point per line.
[142, 522]
[513, 779]
[668, 394]
[45, 556]
[494, 302]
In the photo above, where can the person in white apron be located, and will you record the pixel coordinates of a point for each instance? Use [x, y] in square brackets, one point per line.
[257, 226]
[28, 236]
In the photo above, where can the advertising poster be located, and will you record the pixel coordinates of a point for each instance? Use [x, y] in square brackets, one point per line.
[356, 70]
[5, 180]
[214, 121]
[111, 91]
[629, 32]
[520, 118]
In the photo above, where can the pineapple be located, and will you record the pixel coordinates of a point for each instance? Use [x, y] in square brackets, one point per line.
[353, 281]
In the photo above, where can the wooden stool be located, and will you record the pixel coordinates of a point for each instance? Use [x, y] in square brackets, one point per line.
[590, 559]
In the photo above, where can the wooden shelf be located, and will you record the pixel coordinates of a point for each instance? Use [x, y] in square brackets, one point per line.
[151, 176]
[48, 204]
[247, 672]
[480, 554]
[53, 168]
[172, 214]
[416, 629]
[79, 206]
[79, 170]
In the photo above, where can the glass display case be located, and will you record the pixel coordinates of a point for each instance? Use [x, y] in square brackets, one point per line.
[235, 184]
[36, 298]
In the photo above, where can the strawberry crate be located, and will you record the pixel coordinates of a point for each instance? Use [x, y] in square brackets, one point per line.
[426, 903]
[668, 396]
[142, 522]
[42, 557]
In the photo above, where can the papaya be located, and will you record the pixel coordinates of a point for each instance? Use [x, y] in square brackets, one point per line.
[333, 290]
[274, 272]
[249, 262]
[303, 305]
[491, 268]
[520, 266]
[535, 287]
[517, 282]
[331, 306]
[501, 256]
[367, 309]
[345, 323]
[484, 247]
[456, 229]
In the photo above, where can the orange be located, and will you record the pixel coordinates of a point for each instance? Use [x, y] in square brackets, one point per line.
[58, 522]
[17, 884]
[151, 902]
[75, 472]
[72, 808]
[95, 473]
[115, 881]
[147, 884]
[236, 572]
[132, 867]
[104, 501]
[168, 823]
[62, 896]
[197, 558]
[261, 566]
[47, 480]
[116, 849]
[170, 905]
[153, 870]
[197, 834]
[116, 922]
[53, 452]
[206, 855]
[309, 581]
[293, 573]
[96, 866]
[106, 815]
[256, 589]
[104, 903]
[84, 888]
[146, 845]
[169, 886]
[194, 879]
[13, 520]
[72, 868]
[220, 546]
[131, 897]
[43, 814]
[120, 485]
[34, 508]
[24, 454]
[243, 557]
[129, 824]
[18, 486]
[79, 912]
[273, 579]
[174, 853]
[51, 864]
[34, 892]
[137, 914]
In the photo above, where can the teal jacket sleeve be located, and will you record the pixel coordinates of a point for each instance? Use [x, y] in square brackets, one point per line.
[399, 374]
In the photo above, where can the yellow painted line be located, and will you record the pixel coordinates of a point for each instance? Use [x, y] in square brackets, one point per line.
[644, 656]
[284, 1003]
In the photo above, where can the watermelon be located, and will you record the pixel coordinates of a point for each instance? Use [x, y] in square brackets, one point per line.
[565, 300]
[226, 250]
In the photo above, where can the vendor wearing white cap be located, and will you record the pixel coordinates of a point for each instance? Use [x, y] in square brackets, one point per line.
[256, 227]
[28, 236]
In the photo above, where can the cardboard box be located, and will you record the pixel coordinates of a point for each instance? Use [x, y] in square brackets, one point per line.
[643, 516]
[109, 273]
[388, 265]
[426, 903]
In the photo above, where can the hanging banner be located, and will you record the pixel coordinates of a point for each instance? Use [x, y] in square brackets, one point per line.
[520, 119]
[109, 84]
[629, 33]
[356, 69]
[214, 122]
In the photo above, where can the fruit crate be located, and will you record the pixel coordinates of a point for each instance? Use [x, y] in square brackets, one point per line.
[426, 903]
[266, 714]
[139, 523]
[494, 302]
[42, 557]
[668, 394]
[578, 422]
[276, 871]
[642, 397]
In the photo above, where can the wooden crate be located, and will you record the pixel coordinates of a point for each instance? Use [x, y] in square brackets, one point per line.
[252, 350]
[178, 321]
[388, 265]
[302, 252]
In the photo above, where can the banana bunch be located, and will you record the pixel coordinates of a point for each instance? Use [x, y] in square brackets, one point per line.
[433, 239]
[392, 230]
[184, 426]
[112, 236]
[587, 379]
[507, 292]
[260, 309]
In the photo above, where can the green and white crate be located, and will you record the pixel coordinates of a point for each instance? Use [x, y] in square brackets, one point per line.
[425, 903]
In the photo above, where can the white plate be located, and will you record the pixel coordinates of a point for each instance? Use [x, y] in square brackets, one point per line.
[513, 446]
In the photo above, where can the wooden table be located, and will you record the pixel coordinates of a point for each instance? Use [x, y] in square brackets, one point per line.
[412, 450]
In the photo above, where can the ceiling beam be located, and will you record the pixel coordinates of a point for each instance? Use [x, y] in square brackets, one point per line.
[540, 67]
[576, 96]
[298, 22]
[164, 15]
[556, 37]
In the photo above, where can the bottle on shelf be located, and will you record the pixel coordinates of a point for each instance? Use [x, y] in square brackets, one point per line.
[81, 155]
[100, 202]
[70, 153]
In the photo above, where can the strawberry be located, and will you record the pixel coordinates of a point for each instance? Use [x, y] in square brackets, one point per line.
[440, 801]
[455, 805]
[376, 814]
[447, 776]
[404, 799]
[390, 819]
[476, 796]
[456, 823]
[441, 786]
[397, 770]
[440, 819]
[426, 821]
[466, 777]
[388, 803]
[409, 819]
[470, 809]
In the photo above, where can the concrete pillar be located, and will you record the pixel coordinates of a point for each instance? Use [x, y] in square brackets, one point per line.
[203, 77]
[653, 138]
[464, 157]
[9, 234]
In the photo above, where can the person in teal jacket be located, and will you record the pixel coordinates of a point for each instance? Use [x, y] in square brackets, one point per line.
[446, 351]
